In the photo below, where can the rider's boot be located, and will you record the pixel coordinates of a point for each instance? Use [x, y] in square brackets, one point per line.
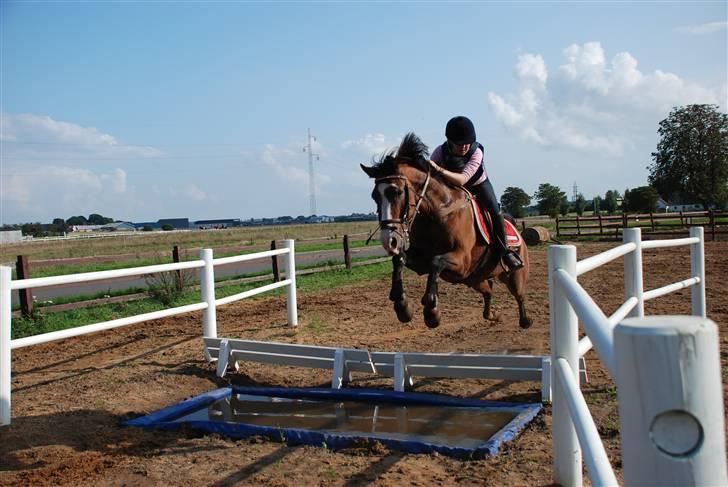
[511, 261]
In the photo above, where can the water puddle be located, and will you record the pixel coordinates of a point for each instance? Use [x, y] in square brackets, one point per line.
[463, 427]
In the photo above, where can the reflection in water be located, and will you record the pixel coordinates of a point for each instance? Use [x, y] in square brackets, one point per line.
[452, 426]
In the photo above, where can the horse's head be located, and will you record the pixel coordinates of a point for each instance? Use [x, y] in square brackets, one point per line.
[395, 205]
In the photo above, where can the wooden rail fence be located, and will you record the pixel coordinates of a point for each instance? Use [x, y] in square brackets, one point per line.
[715, 223]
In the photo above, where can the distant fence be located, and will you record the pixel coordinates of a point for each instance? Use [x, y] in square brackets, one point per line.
[715, 223]
[208, 304]
[666, 368]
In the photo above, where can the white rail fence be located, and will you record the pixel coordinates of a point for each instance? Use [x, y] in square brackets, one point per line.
[666, 368]
[208, 304]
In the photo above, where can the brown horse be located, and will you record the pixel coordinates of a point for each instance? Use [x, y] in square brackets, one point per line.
[427, 225]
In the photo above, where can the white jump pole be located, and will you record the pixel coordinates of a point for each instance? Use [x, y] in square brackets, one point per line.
[670, 401]
[564, 344]
[633, 283]
[5, 333]
[697, 269]
[291, 288]
[207, 289]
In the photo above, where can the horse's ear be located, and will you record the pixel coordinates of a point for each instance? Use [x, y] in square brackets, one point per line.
[372, 172]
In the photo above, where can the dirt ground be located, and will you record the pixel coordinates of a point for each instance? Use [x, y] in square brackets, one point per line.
[69, 397]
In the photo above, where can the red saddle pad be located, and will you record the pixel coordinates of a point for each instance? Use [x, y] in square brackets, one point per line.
[512, 235]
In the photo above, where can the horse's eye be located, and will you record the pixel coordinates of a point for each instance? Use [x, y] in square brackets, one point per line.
[393, 192]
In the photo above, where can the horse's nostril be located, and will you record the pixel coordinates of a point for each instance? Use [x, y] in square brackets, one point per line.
[393, 243]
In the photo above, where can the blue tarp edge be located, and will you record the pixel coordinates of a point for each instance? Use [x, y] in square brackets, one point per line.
[163, 419]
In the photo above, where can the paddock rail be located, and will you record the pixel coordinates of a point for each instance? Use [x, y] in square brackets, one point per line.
[208, 304]
[666, 368]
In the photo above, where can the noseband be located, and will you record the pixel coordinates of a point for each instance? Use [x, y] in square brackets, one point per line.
[405, 221]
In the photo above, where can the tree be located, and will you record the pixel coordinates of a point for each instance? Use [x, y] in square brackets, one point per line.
[167, 227]
[549, 199]
[77, 220]
[96, 219]
[610, 201]
[643, 199]
[580, 204]
[691, 162]
[596, 206]
[513, 201]
[564, 206]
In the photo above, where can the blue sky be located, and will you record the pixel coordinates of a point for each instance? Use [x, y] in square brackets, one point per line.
[147, 110]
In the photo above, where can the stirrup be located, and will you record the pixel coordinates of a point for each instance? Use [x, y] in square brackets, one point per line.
[512, 261]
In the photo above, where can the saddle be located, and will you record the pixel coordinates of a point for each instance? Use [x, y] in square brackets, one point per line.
[513, 237]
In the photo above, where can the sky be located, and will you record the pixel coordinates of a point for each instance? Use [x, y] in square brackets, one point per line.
[147, 110]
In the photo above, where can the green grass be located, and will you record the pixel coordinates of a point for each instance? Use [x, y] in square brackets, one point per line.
[59, 270]
[47, 322]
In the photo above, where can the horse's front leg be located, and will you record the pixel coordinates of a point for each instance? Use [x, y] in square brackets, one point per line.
[429, 300]
[397, 295]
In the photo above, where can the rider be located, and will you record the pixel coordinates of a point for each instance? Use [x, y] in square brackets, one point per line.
[460, 161]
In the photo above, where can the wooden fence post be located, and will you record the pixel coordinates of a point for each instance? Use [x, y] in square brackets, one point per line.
[25, 296]
[601, 229]
[176, 259]
[347, 254]
[558, 233]
[578, 227]
[274, 262]
[711, 216]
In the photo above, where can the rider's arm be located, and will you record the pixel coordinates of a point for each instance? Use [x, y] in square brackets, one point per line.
[458, 179]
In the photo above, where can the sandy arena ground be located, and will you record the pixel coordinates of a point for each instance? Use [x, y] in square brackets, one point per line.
[70, 396]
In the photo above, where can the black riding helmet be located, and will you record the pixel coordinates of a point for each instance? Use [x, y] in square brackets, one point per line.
[460, 131]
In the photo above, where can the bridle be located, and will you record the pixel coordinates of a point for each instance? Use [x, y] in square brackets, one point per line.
[404, 220]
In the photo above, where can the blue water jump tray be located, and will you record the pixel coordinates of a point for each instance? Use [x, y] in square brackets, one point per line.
[406, 421]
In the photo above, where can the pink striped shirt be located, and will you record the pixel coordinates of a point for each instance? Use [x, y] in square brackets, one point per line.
[470, 167]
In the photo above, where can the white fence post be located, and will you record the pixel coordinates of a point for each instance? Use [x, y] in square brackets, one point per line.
[564, 344]
[633, 284]
[207, 288]
[291, 288]
[697, 269]
[5, 333]
[670, 401]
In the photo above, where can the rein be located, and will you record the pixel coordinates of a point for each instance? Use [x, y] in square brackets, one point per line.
[405, 221]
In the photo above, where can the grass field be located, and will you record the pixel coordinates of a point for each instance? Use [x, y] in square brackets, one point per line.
[144, 242]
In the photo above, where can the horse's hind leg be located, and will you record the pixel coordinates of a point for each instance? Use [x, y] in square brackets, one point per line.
[516, 283]
[396, 294]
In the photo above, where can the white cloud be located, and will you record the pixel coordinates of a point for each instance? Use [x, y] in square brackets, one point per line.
[274, 157]
[65, 189]
[189, 191]
[504, 111]
[371, 144]
[42, 137]
[592, 105]
[707, 28]
[532, 67]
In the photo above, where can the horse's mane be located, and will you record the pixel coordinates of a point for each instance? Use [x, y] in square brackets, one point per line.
[411, 152]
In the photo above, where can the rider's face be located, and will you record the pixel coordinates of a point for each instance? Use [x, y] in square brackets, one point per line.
[459, 149]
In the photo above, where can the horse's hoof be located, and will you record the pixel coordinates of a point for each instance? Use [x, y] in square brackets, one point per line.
[403, 310]
[429, 301]
[491, 316]
[432, 317]
[525, 323]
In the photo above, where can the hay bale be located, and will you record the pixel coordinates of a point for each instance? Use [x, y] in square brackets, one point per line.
[535, 235]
